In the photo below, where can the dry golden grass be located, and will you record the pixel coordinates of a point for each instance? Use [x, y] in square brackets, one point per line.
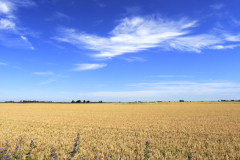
[174, 130]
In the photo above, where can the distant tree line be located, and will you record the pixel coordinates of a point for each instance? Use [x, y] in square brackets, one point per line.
[29, 101]
[84, 101]
[228, 100]
[79, 101]
[34, 101]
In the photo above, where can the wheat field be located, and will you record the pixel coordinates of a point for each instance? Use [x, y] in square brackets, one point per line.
[203, 130]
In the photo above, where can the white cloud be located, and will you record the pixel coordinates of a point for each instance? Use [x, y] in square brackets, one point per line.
[43, 73]
[7, 7]
[4, 8]
[60, 16]
[133, 10]
[217, 6]
[124, 94]
[170, 76]
[3, 64]
[16, 67]
[237, 22]
[51, 63]
[224, 47]
[131, 35]
[193, 43]
[6, 24]
[132, 59]
[26, 40]
[24, 3]
[82, 67]
[233, 38]
[100, 4]
[48, 81]
[58, 46]
[13, 41]
[139, 34]
[172, 88]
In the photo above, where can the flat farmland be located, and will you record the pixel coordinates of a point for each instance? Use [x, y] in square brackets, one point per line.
[203, 130]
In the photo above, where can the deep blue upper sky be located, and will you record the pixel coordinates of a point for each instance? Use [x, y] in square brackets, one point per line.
[119, 50]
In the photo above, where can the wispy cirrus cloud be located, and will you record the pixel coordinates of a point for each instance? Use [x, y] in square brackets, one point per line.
[86, 66]
[172, 76]
[132, 59]
[3, 64]
[224, 47]
[141, 33]
[26, 40]
[232, 38]
[11, 33]
[9, 65]
[6, 24]
[217, 6]
[194, 43]
[48, 81]
[4, 7]
[131, 35]
[59, 16]
[24, 3]
[236, 22]
[172, 88]
[127, 94]
[43, 73]
[100, 4]
[51, 74]
[134, 10]
[196, 85]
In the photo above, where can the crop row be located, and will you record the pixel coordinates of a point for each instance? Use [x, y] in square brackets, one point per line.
[19, 152]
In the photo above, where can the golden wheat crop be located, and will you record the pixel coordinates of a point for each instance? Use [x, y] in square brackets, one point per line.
[174, 130]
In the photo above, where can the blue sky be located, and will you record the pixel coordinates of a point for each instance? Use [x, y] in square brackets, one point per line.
[119, 50]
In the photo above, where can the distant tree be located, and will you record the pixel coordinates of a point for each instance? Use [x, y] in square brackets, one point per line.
[84, 101]
[88, 101]
[100, 101]
[21, 101]
[73, 101]
[78, 101]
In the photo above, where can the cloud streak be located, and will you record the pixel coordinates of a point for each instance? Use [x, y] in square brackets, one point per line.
[3, 64]
[59, 16]
[172, 88]
[26, 40]
[224, 47]
[132, 59]
[217, 6]
[172, 76]
[48, 81]
[8, 23]
[141, 33]
[43, 73]
[83, 67]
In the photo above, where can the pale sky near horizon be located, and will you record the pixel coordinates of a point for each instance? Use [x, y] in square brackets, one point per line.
[121, 50]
